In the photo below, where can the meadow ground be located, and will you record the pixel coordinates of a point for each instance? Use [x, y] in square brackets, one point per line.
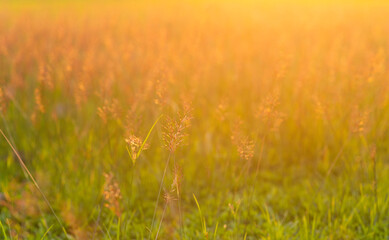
[194, 120]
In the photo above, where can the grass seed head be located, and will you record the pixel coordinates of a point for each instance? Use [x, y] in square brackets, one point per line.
[109, 111]
[246, 149]
[38, 100]
[177, 179]
[169, 197]
[44, 76]
[135, 144]
[359, 121]
[268, 113]
[112, 194]
[244, 145]
[174, 129]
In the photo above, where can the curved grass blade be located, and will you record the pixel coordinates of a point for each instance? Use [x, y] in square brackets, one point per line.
[48, 230]
[147, 137]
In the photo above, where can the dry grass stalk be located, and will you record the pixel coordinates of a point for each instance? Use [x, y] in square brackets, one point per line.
[112, 194]
[173, 136]
[44, 76]
[168, 197]
[109, 110]
[38, 100]
[268, 113]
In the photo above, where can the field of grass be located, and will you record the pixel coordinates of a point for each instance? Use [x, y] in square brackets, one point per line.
[194, 120]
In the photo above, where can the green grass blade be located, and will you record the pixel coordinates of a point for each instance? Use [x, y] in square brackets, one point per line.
[214, 234]
[203, 224]
[148, 135]
[44, 235]
[198, 206]
[2, 228]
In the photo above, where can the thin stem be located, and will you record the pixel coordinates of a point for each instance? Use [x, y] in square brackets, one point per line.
[160, 223]
[181, 215]
[258, 163]
[336, 159]
[34, 181]
[256, 175]
[96, 223]
[159, 193]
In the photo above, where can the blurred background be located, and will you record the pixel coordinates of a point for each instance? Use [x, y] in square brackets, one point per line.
[274, 115]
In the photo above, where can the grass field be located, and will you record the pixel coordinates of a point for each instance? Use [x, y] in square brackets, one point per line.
[194, 120]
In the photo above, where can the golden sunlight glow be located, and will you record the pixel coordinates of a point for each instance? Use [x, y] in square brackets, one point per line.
[194, 119]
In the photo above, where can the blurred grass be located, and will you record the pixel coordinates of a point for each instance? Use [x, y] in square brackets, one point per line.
[307, 81]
